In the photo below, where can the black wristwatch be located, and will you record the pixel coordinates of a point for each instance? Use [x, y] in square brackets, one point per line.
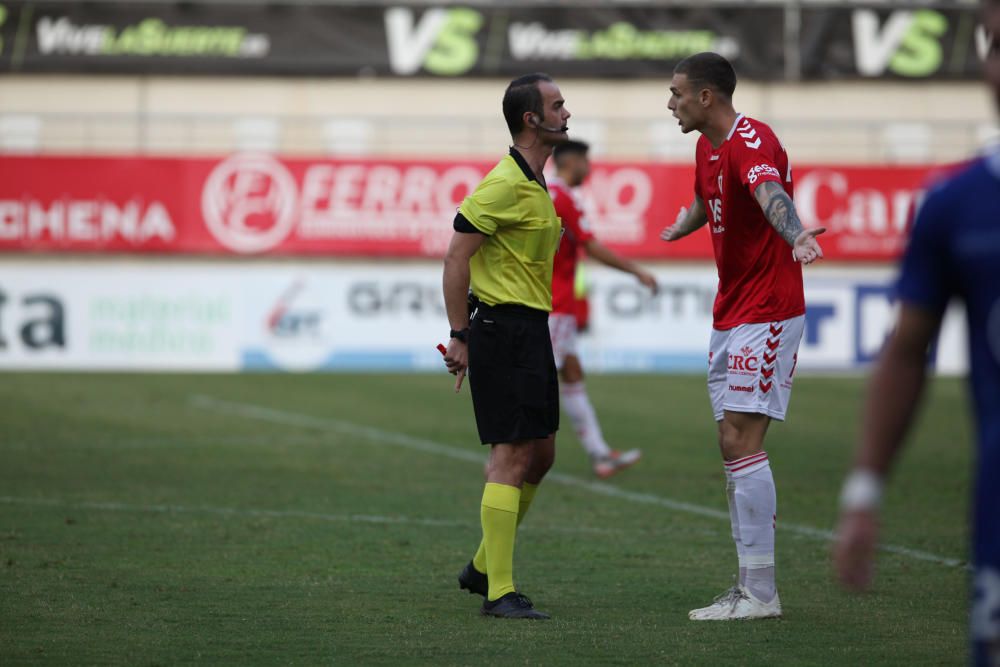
[462, 334]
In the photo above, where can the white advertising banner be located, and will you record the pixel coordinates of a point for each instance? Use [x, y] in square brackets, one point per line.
[849, 313]
[336, 315]
[111, 316]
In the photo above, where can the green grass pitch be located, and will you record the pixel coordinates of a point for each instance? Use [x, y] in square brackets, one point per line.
[322, 519]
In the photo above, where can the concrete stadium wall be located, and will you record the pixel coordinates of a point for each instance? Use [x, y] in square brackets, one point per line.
[847, 122]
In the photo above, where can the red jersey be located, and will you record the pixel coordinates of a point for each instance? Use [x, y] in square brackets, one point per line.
[576, 233]
[759, 281]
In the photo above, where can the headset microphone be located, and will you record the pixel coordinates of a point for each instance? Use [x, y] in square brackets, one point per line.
[539, 126]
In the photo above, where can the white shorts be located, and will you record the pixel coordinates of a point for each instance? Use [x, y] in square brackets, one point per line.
[562, 330]
[750, 367]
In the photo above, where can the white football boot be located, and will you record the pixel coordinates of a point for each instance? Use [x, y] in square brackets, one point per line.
[606, 466]
[737, 604]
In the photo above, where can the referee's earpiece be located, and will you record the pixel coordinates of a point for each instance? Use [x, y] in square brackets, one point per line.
[533, 120]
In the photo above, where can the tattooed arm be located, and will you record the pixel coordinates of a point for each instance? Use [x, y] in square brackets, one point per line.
[780, 212]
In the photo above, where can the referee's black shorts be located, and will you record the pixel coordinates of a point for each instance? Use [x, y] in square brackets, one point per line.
[512, 373]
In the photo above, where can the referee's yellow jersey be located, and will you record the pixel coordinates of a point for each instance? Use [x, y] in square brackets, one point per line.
[515, 212]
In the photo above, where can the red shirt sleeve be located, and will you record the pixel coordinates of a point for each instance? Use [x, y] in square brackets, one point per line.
[759, 157]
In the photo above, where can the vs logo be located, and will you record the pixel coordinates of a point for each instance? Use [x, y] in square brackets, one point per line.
[442, 41]
[909, 43]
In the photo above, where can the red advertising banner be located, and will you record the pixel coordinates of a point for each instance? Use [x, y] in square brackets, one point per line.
[254, 203]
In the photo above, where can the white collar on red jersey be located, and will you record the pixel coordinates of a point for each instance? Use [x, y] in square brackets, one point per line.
[732, 130]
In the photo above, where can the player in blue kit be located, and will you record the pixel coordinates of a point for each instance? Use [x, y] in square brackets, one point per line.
[954, 251]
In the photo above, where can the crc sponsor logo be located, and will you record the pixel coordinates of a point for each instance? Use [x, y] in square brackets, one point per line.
[85, 221]
[741, 388]
[249, 202]
[744, 363]
[35, 322]
[757, 171]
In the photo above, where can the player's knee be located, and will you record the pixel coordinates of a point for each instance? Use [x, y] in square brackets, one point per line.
[734, 444]
[737, 441]
[544, 455]
[511, 460]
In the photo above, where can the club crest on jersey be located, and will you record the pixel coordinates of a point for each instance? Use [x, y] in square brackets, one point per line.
[761, 169]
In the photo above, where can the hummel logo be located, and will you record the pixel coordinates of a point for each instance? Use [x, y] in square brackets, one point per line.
[746, 350]
[755, 144]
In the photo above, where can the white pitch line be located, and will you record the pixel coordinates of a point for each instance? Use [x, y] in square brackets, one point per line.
[230, 511]
[403, 440]
[273, 514]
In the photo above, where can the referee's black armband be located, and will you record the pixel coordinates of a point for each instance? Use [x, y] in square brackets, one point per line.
[463, 225]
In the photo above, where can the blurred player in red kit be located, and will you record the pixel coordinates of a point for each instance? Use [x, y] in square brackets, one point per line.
[572, 168]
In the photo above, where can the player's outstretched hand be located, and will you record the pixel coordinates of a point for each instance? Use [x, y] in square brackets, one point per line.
[673, 232]
[806, 248]
[854, 549]
[648, 280]
[456, 358]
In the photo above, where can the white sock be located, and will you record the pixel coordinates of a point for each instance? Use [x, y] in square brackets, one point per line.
[734, 522]
[756, 508]
[760, 582]
[584, 419]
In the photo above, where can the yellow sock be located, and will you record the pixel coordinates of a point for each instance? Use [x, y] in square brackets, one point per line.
[499, 516]
[527, 495]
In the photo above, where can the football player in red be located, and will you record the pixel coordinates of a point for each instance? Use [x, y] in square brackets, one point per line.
[743, 190]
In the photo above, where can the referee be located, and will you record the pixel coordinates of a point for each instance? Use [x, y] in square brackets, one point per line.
[506, 234]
